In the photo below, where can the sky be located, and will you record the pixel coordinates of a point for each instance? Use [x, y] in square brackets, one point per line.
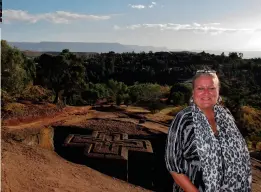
[174, 24]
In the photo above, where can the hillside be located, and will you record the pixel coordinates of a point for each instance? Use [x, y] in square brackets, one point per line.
[43, 167]
[30, 168]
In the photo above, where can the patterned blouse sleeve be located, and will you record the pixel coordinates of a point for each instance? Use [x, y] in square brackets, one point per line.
[173, 149]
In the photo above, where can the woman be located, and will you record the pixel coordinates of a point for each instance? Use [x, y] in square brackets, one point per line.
[205, 150]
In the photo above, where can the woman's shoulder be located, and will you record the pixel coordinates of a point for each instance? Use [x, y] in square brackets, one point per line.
[182, 120]
[226, 111]
[187, 111]
[184, 114]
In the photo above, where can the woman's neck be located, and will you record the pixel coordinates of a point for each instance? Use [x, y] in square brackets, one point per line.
[208, 111]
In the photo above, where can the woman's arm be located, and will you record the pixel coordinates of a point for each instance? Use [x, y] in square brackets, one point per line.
[174, 154]
[184, 182]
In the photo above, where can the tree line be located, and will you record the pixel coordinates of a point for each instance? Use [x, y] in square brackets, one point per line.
[153, 80]
[130, 77]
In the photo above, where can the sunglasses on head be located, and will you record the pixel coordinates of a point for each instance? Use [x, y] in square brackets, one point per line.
[205, 71]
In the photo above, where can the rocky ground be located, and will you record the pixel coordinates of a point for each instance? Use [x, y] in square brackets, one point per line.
[30, 167]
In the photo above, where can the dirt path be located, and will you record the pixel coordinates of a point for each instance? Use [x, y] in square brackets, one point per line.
[66, 113]
[78, 116]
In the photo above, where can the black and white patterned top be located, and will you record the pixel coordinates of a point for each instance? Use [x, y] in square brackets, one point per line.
[181, 153]
[211, 162]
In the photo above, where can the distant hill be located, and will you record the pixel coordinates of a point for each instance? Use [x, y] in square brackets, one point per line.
[46, 46]
[39, 53]
[82, 47]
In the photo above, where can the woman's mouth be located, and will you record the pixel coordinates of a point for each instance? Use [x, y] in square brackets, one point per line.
[206, 99]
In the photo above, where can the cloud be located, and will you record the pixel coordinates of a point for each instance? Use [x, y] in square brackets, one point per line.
[137, 6]
[195, 27]
[196, 24]
[212, 24]
[59, 17]
[134, 26]
[152, 4]
[142, 6]
[116, 27]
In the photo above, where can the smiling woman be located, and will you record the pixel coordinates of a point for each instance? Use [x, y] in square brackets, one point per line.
[205, 150]
[206, 89]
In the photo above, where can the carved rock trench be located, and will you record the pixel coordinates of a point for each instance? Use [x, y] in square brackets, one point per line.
[137, 159]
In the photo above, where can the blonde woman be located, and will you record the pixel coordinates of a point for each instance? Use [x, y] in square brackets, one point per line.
[205, 150]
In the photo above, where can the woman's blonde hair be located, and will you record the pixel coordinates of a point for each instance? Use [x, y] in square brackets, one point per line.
[210, 73]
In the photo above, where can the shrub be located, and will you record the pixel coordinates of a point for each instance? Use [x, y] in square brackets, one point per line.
[249, 145]
[249, 121]
[143, 93]
[180, 93]
[119, 99]
[155, 106]
[255, 139]
[6, 98]
[36, 93]
[126, 99]
[14, 109]
[177, 98]
[258, 146]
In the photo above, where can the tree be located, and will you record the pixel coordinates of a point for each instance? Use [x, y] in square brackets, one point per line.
[147, 92]
[117, 89]
[177, 98]
[75, 81]
[182, 90]
[90, 96]
[119, 99]
[52, 71]
[233, 55]
[13, 74]
[62, 73]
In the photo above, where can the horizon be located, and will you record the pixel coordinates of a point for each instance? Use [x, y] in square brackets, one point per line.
[171, 24]
[168, 50]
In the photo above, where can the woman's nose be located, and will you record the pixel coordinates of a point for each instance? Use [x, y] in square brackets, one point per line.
[206, 91]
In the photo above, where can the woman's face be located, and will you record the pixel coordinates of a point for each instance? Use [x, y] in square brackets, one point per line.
[205, 92]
